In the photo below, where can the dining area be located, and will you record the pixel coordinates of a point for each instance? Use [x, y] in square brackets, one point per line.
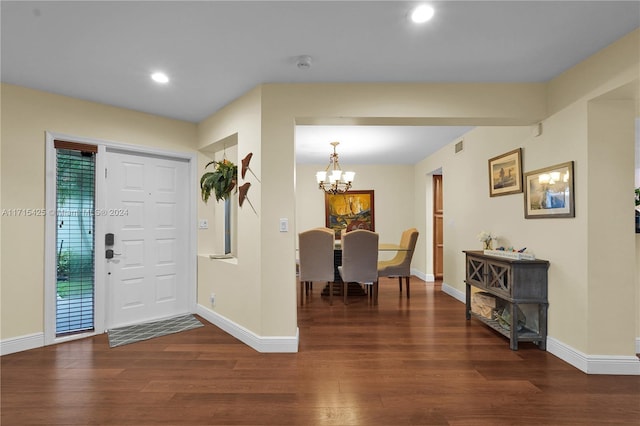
[349, 265]
[350, 253]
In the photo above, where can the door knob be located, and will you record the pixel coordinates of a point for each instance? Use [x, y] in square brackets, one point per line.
[110, 253]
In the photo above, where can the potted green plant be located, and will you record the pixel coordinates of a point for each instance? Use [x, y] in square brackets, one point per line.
[221, 181]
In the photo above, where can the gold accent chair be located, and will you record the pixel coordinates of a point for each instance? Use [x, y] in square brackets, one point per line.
[400, 265]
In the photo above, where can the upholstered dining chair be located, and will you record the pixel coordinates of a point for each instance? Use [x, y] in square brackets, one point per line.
[360, 260]
[400, 265]
[316, 260]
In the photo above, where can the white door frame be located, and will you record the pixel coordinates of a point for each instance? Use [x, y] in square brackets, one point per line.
[100, 226]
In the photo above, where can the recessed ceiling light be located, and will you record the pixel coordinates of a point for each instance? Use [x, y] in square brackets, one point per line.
[160, 77]
[422, 14]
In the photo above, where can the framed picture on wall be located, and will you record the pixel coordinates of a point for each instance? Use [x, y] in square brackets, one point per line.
[549, 192]
[505, 173]
[348, 211]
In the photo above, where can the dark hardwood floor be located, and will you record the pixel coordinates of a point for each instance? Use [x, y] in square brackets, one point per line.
[403, 362]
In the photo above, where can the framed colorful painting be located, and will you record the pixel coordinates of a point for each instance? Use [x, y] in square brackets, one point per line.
[350, 210]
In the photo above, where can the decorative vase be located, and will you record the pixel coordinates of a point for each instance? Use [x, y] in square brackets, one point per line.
[487, 244]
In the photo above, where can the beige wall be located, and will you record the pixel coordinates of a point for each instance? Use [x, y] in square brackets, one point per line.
[26, 116]
[605, 72]
[236, 283]
[611, 259]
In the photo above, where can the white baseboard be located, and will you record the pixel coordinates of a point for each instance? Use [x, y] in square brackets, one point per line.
[424, 277]
[590, 364]
[594, 364]
[22, 343]
[264, 344]
[454, 292]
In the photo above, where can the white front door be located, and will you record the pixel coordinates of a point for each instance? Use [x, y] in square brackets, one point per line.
[147, 205]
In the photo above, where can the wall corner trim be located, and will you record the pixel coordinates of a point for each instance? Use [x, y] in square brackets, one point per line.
[263, 344]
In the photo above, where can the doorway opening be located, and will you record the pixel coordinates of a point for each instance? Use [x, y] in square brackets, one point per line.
[438, 229]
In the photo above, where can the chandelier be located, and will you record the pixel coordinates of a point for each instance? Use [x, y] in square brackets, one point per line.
[333, 180]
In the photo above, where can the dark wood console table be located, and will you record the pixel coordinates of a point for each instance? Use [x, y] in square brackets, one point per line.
[517, 282]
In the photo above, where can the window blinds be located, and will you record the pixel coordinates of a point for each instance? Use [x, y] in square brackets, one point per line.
[75, 202]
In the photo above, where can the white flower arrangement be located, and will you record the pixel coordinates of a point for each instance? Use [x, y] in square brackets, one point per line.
[488, 240]
[485, 236]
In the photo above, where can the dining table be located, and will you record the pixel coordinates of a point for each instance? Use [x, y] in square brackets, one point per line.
[353, 289]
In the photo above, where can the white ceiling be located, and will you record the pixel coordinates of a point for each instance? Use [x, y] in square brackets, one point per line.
[214, 51]
[372, 144]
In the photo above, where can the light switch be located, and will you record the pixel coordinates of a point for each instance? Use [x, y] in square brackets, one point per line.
[203, 224]
[284, 224]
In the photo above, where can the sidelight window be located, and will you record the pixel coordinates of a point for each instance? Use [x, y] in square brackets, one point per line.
[75, 248]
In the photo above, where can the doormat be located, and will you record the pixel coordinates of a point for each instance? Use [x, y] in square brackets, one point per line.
[138, 332]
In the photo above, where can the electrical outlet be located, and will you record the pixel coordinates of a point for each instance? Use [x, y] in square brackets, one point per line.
[212, 298]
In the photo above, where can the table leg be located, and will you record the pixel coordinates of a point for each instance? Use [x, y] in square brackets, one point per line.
[513, 343]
